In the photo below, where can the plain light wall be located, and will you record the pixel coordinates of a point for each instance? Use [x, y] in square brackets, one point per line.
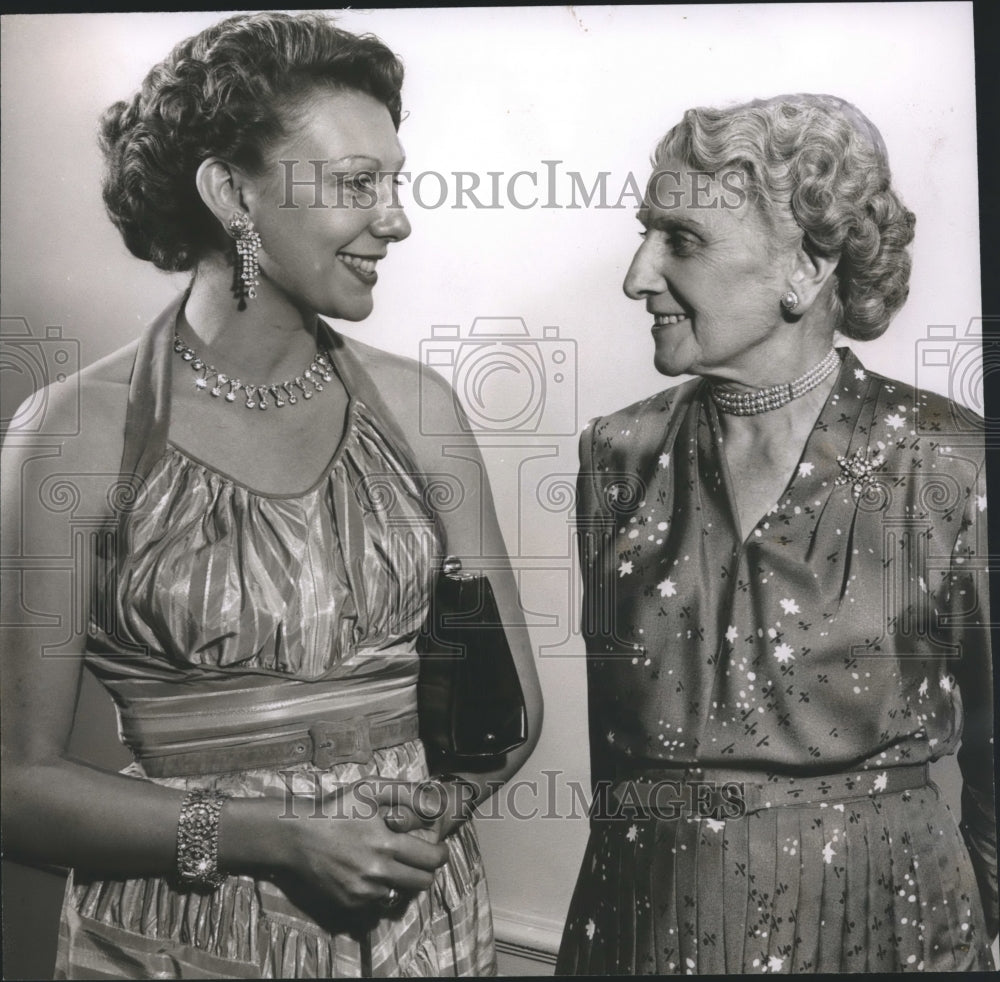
[506, 89]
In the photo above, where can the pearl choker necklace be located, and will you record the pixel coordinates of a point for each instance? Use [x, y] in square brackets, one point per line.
[320, 370]
[737, 403]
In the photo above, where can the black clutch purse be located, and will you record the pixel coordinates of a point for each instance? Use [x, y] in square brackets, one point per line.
[470, 703]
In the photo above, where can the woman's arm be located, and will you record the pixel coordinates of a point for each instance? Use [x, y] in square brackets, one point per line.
[60, 811]
[966, 606]
[57, 810]
[443, 444]
[594, 529]
[472, 533]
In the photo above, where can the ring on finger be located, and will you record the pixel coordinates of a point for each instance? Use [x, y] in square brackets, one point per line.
[390, 899]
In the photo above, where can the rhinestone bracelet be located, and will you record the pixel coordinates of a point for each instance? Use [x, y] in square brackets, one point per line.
[198, 839]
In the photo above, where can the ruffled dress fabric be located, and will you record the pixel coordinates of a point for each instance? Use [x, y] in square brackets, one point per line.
[224, 613]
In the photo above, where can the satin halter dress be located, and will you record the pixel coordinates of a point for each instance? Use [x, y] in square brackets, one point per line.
[224, 618]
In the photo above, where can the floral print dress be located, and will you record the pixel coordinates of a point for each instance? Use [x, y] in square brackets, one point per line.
[845, 635]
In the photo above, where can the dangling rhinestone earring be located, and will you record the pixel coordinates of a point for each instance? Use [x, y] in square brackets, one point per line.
[790, 301]
[247, 245]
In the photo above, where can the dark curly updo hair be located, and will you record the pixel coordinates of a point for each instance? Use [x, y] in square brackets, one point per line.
[818, 170]
[229, 92]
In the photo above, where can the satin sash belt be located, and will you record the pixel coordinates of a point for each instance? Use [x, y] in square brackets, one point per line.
[721, 793]
[212, 725]
[324, 744]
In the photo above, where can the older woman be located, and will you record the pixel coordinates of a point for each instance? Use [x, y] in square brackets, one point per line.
[785, 596]
[263, 563]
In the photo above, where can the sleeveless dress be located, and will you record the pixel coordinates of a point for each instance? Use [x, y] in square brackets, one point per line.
[225, 618]
[815, 664]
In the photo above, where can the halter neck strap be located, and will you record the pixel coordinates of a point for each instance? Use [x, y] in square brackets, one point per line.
[147, 419]
[147, 416]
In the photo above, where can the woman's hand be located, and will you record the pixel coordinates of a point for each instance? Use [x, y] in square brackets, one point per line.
[435, 808]
[338, 847]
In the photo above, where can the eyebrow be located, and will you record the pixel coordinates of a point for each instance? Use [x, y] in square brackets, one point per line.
[363, 159]
[668, 223]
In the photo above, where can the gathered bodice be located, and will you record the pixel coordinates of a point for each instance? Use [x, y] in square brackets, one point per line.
[209, 589]
[219, 576]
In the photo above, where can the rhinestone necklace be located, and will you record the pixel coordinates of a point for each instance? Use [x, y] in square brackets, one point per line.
[737, 403]
[320, 370]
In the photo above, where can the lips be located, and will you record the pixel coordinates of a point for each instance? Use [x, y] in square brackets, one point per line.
[664, 320]
[363, 265]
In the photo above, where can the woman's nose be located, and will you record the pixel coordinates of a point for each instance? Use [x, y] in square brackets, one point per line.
[644, 277]
[390, 221]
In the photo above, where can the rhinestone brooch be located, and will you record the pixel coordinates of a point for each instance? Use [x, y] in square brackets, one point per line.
[858, 470]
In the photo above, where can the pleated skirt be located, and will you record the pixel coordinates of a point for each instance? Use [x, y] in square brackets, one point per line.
[881, 884]
[147, 927]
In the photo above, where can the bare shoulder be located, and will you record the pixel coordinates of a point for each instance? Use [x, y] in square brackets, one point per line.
[422, 399]
[74, 426]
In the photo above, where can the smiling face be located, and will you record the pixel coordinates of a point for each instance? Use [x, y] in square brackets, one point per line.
[324, 203]
[711, 274]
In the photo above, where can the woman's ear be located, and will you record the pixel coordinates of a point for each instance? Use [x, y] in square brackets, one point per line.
[809, 276]
[219, 186]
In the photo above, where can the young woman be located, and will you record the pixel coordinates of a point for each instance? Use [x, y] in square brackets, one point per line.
[264, 559]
